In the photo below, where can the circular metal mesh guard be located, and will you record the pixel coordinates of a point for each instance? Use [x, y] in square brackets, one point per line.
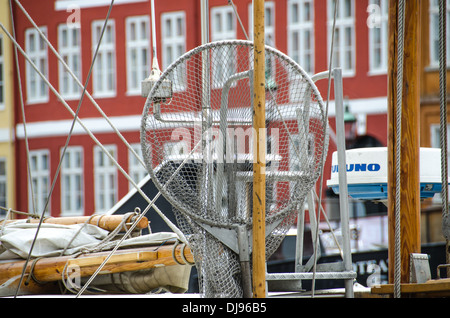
[197, 143]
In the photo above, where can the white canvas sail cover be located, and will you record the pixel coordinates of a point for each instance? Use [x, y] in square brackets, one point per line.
[54, 239]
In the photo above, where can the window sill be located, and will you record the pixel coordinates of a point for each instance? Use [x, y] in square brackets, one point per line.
[435, 67]
[37, 101]
[104, 95]
[376, 72]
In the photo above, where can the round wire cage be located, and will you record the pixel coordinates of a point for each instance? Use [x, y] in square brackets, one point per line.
[197, 140]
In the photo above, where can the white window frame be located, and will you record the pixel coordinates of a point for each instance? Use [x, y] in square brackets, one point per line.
[69, 46]
[434, 33]
[173, 35]
[378, 10]
[72, 198]
[40, 177]
[104, 75]
[136, 171]
[2, 73]
[222, 30]
[105, 178]
[36, 49]
[3, 184]
[269, 28]
[269, 22]
[342, 24]
[299, 26]
[138, 52]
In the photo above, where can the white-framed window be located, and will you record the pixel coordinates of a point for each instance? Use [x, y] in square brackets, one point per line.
[105, 178]
[378, 36]
[223, 27]
[72, 198]
[40, 179]
[173, 31]
[344, 40]
[104, 79]
[269, 22]
[36, 48]
[3, 186]
[2, 75]
[269, 28]
[301, 33]
[69, 46]
[138, 52]
[434, 33]
[136, 171]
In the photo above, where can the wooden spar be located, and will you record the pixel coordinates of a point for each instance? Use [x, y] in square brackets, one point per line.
[409, 183]
[52, 268]
[259, 180]
[106, 222]
[431, 288]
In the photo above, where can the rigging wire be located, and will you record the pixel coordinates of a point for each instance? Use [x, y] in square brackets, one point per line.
[443, 118]
[230, 2]
[156, 72]
[113, 160]
[64, 149]
[137, 221]
[323, 157]
[22, 108]
[158, 211]
[95, 104]
[400, 50]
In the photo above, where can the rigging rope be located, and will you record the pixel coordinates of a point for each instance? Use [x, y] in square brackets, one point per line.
[323, 157]
[400, 49]
[158, 211]
[22, 108]
[230, 2]
[443, 116]
[65, 147]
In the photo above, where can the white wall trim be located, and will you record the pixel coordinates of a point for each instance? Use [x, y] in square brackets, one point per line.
[363, 106]
[62, 127]
[67, 5]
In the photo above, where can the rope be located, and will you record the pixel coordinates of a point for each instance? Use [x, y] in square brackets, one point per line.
[103, 245]
[76, 234]
[113, 160]
[186, 262]
[67, 143]
[443, 113]
[137, 221]
[4, 222]
[230, 2]
[22, 108]
[400, 35]
[323, 156]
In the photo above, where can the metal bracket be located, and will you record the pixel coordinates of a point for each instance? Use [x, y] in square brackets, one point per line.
[229, 236]
[419, 268]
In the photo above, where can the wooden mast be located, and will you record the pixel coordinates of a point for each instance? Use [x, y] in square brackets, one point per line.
[410, 147]
[259, 180]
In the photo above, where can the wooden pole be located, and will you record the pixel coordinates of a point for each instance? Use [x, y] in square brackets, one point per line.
[106, 222]
[259, 164]
[410, 147]
[52, 268]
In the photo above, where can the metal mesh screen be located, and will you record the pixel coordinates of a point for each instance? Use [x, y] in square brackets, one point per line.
[197, 142]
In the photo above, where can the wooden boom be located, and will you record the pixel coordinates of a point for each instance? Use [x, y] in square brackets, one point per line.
[106, 222]
[55, 268]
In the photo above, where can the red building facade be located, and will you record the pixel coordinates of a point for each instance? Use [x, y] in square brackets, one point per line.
[87, 182]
